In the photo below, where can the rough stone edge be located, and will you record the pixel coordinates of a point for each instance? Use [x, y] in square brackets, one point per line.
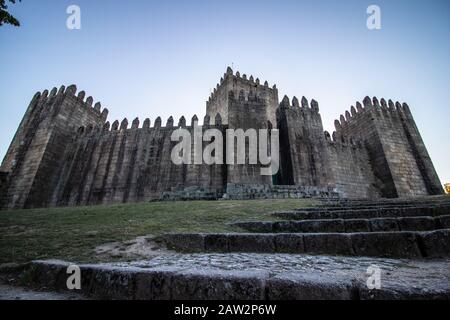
[106, 282]
[420, 244]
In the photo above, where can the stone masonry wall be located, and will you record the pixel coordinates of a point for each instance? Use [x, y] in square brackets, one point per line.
[305, 160]
[34, 157]
[124, 164]
[65, 153]
[397, 164]
[423, 160]
[247, 111]
[352, 173]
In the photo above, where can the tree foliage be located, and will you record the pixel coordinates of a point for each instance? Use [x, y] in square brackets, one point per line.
[5, 16]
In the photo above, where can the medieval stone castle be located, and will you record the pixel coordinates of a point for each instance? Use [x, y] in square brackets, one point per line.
[66, 153]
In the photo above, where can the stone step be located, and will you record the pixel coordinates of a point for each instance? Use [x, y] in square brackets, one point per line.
[365, 213]
[402, 244]
[348, 225]
[440, 200]
[373, 207]
[387, 207]
[249, 277]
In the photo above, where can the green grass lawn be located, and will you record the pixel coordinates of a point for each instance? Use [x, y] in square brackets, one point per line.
[73, 233]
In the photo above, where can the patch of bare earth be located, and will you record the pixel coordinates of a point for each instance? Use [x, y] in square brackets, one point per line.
[140, 248]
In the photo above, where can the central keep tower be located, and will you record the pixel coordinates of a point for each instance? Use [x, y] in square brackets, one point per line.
[218, 102]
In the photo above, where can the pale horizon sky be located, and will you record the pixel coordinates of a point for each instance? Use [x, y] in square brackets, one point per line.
[162, 58]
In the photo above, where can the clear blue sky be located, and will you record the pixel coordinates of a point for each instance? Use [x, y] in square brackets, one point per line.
[162, 58]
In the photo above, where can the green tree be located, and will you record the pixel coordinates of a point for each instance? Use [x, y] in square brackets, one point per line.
[5, 16]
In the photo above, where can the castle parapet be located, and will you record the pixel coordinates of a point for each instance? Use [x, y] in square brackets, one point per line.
[310, 107]
[79, 99]
[381, 108]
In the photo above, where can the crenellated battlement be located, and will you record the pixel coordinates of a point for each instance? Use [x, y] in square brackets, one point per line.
[244, 88]
[342, 140]
[123, 125]
[70, 92]
[352, 123]
[239, 81]
[374, 106]
[305, 105]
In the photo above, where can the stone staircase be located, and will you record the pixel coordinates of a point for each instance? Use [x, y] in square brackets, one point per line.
[385, 228]
[323, 252]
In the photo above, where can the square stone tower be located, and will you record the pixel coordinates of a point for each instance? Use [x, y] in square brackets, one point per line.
[35, 156]
[399, 159]
[218, 102]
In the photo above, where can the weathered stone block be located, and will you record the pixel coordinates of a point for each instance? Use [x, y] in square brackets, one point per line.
[289, 243]
[357, 225]
[251, 242]
[87, 273]
[386, 244]
[216, 242]
[328, 243]
[332, 225]
[355, 214]
[441, 210]
[50, 274]
[444, 221]
[309, 287]
[436, 244]
[219, 285]
[384, 224]
[285, 226]
[155, 284]
[416, 223]
[190, 242]
[113, 283]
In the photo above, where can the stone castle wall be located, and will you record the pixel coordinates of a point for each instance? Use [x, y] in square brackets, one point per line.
[121, 164]
[351, 170]
[66, 153]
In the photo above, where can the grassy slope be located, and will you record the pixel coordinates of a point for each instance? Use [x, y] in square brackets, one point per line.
[72, 233]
